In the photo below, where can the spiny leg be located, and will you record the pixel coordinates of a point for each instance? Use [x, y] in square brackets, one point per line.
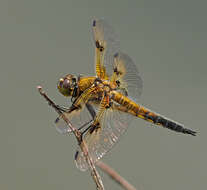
[93, 115]
[104, 104]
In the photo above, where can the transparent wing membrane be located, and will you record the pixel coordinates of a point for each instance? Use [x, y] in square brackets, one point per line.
[78, 118]
[126, 75]
[107, 44]
[105, 105]
[115, 63]
[119, 68]
[113, 124]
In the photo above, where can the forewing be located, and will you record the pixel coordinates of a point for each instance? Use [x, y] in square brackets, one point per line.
[109, 57]
[107, 44]
[113, 124]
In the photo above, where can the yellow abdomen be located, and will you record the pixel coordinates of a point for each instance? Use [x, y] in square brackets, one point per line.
[132, 107]
[139, 111]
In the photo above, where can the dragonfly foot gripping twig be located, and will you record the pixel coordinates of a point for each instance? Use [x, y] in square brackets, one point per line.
[96, 177]
[104, 167]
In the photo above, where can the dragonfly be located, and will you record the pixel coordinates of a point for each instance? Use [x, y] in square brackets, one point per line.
[104, 105]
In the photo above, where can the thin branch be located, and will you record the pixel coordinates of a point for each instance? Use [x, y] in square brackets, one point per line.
[96, 177]
[114, 175]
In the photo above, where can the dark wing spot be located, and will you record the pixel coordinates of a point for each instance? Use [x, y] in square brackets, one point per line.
[101, 48]
[97, 44]
[57, 120]
[115, 70]
[118, 83]
[116, 55]
[94, 23]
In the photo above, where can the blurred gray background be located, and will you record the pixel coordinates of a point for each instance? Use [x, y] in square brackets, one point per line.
[42, 40]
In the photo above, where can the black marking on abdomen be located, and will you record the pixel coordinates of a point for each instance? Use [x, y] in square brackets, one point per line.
[159, 120]
[172, 125]
[153, 118]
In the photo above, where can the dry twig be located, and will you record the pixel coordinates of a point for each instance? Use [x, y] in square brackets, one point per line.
[114, 175]
[96, 177]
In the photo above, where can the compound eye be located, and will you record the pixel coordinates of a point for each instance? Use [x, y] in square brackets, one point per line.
[66, 84]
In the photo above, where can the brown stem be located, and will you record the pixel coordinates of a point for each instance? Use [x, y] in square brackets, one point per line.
[114, 175]
[96, 177]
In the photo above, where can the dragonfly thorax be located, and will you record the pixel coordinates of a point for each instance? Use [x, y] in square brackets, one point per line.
[67, 85]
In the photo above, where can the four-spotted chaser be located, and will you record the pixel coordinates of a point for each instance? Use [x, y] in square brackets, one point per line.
[104, 105]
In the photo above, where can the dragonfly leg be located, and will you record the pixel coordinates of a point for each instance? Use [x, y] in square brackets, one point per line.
[89, 127]
[63, 108]
[105, 103]
[85, 124]
[93, 115]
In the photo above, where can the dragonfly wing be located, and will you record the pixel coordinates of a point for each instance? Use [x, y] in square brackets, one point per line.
[61, 126]
[110, 61]
[78, 118]
[107, 44]
[113, 124]
[126, 76]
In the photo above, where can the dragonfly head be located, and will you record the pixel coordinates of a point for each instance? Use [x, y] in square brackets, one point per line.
[67, 84]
